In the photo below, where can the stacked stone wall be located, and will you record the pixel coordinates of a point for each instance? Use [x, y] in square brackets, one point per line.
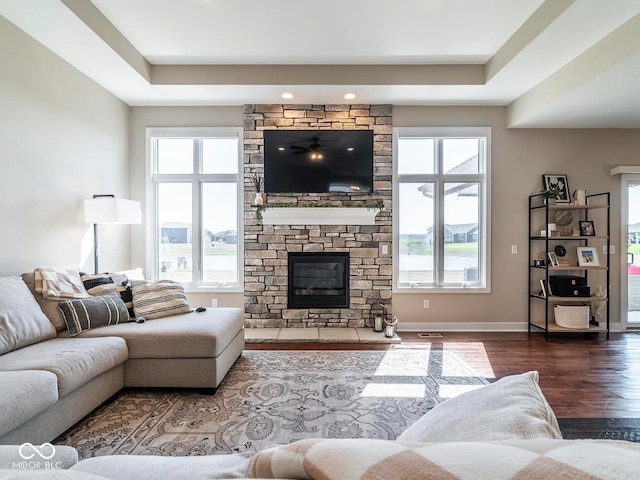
[267, 246]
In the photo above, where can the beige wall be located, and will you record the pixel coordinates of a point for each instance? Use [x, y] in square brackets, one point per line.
[141, 119]
[519, 158]
[63, 138]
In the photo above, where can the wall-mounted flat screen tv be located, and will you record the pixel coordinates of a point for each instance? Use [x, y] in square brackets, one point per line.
[317, 161]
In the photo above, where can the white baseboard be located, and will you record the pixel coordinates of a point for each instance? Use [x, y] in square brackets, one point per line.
[462, 327]
[475, 327]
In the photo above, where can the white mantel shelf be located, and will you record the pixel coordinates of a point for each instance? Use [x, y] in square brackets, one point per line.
[319, 216]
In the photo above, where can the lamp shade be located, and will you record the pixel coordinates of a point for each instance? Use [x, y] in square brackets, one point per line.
[111, 210]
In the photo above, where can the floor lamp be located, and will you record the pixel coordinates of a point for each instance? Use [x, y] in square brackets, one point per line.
[109, 209]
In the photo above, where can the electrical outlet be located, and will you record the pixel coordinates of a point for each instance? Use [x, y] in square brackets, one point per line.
[384, 249]
[514, 249]
[425, 304]
[611, 251]
[214, 302]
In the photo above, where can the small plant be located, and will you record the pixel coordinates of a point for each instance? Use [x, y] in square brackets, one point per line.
[554, 193]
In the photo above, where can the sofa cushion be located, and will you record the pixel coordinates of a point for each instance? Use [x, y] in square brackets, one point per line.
[22, 322]
[109, 284]
[25, 394]
[49, 307]
[94, 312]
[512, 408]
[74, 361]
[150, 467]
[190, 335]
[159, 299]
[368, 459]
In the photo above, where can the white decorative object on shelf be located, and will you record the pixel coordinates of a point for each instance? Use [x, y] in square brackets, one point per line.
[319, 216]
[258, 199]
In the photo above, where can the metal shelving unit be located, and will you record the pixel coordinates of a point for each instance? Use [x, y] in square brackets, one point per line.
[540, 216]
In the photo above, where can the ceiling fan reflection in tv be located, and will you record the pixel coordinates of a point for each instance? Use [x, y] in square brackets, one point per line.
[317, 161]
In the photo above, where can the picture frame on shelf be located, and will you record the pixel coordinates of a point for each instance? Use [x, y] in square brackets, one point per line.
[587, 228]
[554, 181]
[545, 289]
[553, 260]
[588, 257]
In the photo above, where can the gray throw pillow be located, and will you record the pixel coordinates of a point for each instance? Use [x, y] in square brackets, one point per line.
[22, 322]
[86, 313]
[109, 284]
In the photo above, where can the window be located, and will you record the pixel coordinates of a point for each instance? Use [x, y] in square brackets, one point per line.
[197, 206]
[441, 187]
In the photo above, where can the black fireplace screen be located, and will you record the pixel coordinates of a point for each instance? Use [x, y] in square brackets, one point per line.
[318, 280]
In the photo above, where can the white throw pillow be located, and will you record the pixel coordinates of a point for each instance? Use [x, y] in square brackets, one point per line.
[22, 322]
[513, 408]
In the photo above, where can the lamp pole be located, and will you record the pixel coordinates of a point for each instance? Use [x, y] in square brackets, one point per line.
[95, 236]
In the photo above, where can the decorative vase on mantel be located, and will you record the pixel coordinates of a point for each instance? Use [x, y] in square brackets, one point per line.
[259, 199]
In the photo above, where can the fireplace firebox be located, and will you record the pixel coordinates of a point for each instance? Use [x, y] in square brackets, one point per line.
[318, 280]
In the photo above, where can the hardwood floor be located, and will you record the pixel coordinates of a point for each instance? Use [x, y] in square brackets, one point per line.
[581, 376]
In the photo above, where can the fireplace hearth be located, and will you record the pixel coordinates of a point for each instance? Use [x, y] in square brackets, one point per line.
[318, 280]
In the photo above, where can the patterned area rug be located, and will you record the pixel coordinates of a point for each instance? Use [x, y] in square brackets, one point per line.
[271, 397]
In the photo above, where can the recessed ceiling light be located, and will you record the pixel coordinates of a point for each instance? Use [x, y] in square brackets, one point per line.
[287, 95]
[350, 96]
[350, 149]
[281, 149]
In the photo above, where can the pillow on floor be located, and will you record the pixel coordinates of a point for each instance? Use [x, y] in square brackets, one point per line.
[109, 284]
[86, 313]
[22, 322]
[158, 299]
[513, 408]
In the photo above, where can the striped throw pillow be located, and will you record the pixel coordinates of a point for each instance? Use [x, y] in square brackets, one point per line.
[109, 284]
[158, 299]
[86, 313]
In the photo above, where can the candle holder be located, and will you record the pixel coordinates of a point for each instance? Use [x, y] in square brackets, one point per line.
[377, 317]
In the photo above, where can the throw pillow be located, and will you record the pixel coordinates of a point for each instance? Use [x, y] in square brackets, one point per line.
[158, 299]
[86, 313]
[49, 307]
[135, 274]
[22, 321]
[513, 408]
[109, 284]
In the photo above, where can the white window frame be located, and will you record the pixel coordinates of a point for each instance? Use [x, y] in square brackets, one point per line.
[196, 179]
[484, 221]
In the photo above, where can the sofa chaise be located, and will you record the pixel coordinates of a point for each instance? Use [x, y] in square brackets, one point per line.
[49, 380]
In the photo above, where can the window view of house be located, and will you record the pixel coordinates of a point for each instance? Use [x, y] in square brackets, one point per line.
[441, 199]
[196, 187]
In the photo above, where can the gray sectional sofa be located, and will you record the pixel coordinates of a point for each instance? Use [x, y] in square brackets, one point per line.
[50, 380]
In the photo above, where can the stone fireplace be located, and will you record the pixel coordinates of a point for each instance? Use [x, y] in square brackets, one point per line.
[269, 247]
